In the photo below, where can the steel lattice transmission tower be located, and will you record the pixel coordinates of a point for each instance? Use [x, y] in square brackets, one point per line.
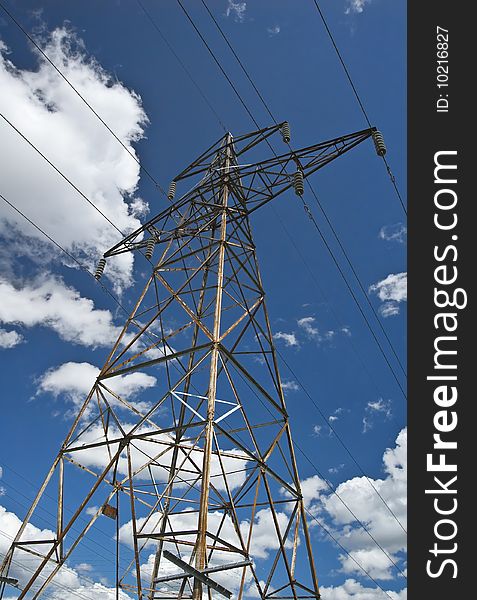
[198, 476]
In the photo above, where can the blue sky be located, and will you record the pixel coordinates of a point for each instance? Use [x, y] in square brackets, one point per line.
[53, 314]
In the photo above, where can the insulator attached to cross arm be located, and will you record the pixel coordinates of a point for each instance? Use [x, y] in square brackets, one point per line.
[298, 182]
[151, 242]
[172, 190]
[285, 131]
[379, 143]
[100, 268]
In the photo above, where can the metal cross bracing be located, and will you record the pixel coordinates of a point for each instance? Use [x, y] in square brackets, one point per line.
[197, 474]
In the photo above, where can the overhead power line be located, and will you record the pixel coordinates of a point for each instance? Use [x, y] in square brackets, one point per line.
[358, 98]
[83, 99]
[289, 236]
[306, 207]
[333, 490]
[69, 182]
[339, 438]
[79, 191]
[53, 166]
[338, 543]
[114, 298]
[61, 74]
[181, 63]
[343, 250]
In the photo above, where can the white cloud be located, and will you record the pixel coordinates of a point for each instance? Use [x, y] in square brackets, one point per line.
[84, 567]
[373, 409]
[381, 406]
[75, 380]
[359, 495]
[234, 462]
[307, 324]
[67, 579]
[391, 291]
[393, 233]
[353, 590]
[264, 536]
[356, 6]
[9, 339]
[289, 338]
[237, 10]
[52, 116]
[336, 414]
[312, 488]
[290, 386]
[389, 309]
[367, 424]
[317, 430]
[393, 287]
[274, 29]
[48, 302]
[334, 470]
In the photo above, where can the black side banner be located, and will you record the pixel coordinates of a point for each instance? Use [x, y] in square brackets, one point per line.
[442, 204]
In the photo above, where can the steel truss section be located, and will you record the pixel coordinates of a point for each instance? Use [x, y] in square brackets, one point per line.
[196, 478]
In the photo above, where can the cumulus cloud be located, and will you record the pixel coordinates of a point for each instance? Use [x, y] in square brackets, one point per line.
[50, 114]
[9, 339]
[264, 538]
[290, 339]
[393, 287]
[67, 580]
[391, 291]
[48, 302]
[74, 380]
[393, 233]
[233, 462]
[236, 10]
[353, 590]
[369, 509]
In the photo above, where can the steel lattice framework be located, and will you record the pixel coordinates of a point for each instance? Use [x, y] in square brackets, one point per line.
[194, 473]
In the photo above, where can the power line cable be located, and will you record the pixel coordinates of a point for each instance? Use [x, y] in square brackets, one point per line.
[68, 82]
[286, 231]
[217, 62]
[73, 184]
[335, 540]
[60, 173]
[352, 513]
[181, 63]
[358, 98]
[332, 489]
[44, 233]
[348, 260]
[338, 437]
[307, 209]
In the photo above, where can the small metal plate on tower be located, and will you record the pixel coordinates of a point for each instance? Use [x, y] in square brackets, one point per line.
[110, 511]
